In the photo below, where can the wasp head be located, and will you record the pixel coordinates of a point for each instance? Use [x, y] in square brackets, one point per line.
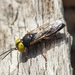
[19, 44]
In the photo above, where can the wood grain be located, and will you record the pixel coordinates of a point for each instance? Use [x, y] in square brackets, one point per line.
[19, 16]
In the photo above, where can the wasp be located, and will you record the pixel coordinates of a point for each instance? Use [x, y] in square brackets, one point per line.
[43, 32]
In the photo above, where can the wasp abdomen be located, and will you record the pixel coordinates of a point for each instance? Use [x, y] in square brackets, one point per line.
[27, 39]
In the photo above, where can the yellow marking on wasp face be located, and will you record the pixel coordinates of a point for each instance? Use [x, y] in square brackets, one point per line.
[19, 45]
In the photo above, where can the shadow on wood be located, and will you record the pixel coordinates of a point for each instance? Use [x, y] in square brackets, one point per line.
[45, 45]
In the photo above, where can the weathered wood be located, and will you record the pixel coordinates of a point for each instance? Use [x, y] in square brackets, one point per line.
[19, 16]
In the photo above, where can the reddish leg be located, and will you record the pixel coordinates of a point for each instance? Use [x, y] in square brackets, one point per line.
[41, 52]
[46, 38]
[52, 38]
[25, 55]
[33, 42]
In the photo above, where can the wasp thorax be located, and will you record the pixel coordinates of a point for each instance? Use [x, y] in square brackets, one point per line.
[19, 45]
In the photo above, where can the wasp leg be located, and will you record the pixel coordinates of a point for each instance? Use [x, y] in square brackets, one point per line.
[52, 38]
[33, 42]
[24, 55]
[41, 52]
[28, 32]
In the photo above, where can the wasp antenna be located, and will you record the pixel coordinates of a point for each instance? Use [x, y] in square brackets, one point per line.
[9, 51]
[6, 55]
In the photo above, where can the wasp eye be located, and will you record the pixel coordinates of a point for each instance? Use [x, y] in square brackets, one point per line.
[17, 40]
[21, 45]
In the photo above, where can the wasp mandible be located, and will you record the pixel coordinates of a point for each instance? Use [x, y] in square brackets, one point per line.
[43, 32]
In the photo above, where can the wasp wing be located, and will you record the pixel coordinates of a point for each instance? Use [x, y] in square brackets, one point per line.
[47, 30]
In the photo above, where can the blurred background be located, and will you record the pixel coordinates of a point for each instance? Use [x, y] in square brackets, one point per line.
[69, 15]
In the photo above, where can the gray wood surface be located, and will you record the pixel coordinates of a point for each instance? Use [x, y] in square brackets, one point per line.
[19, 16]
